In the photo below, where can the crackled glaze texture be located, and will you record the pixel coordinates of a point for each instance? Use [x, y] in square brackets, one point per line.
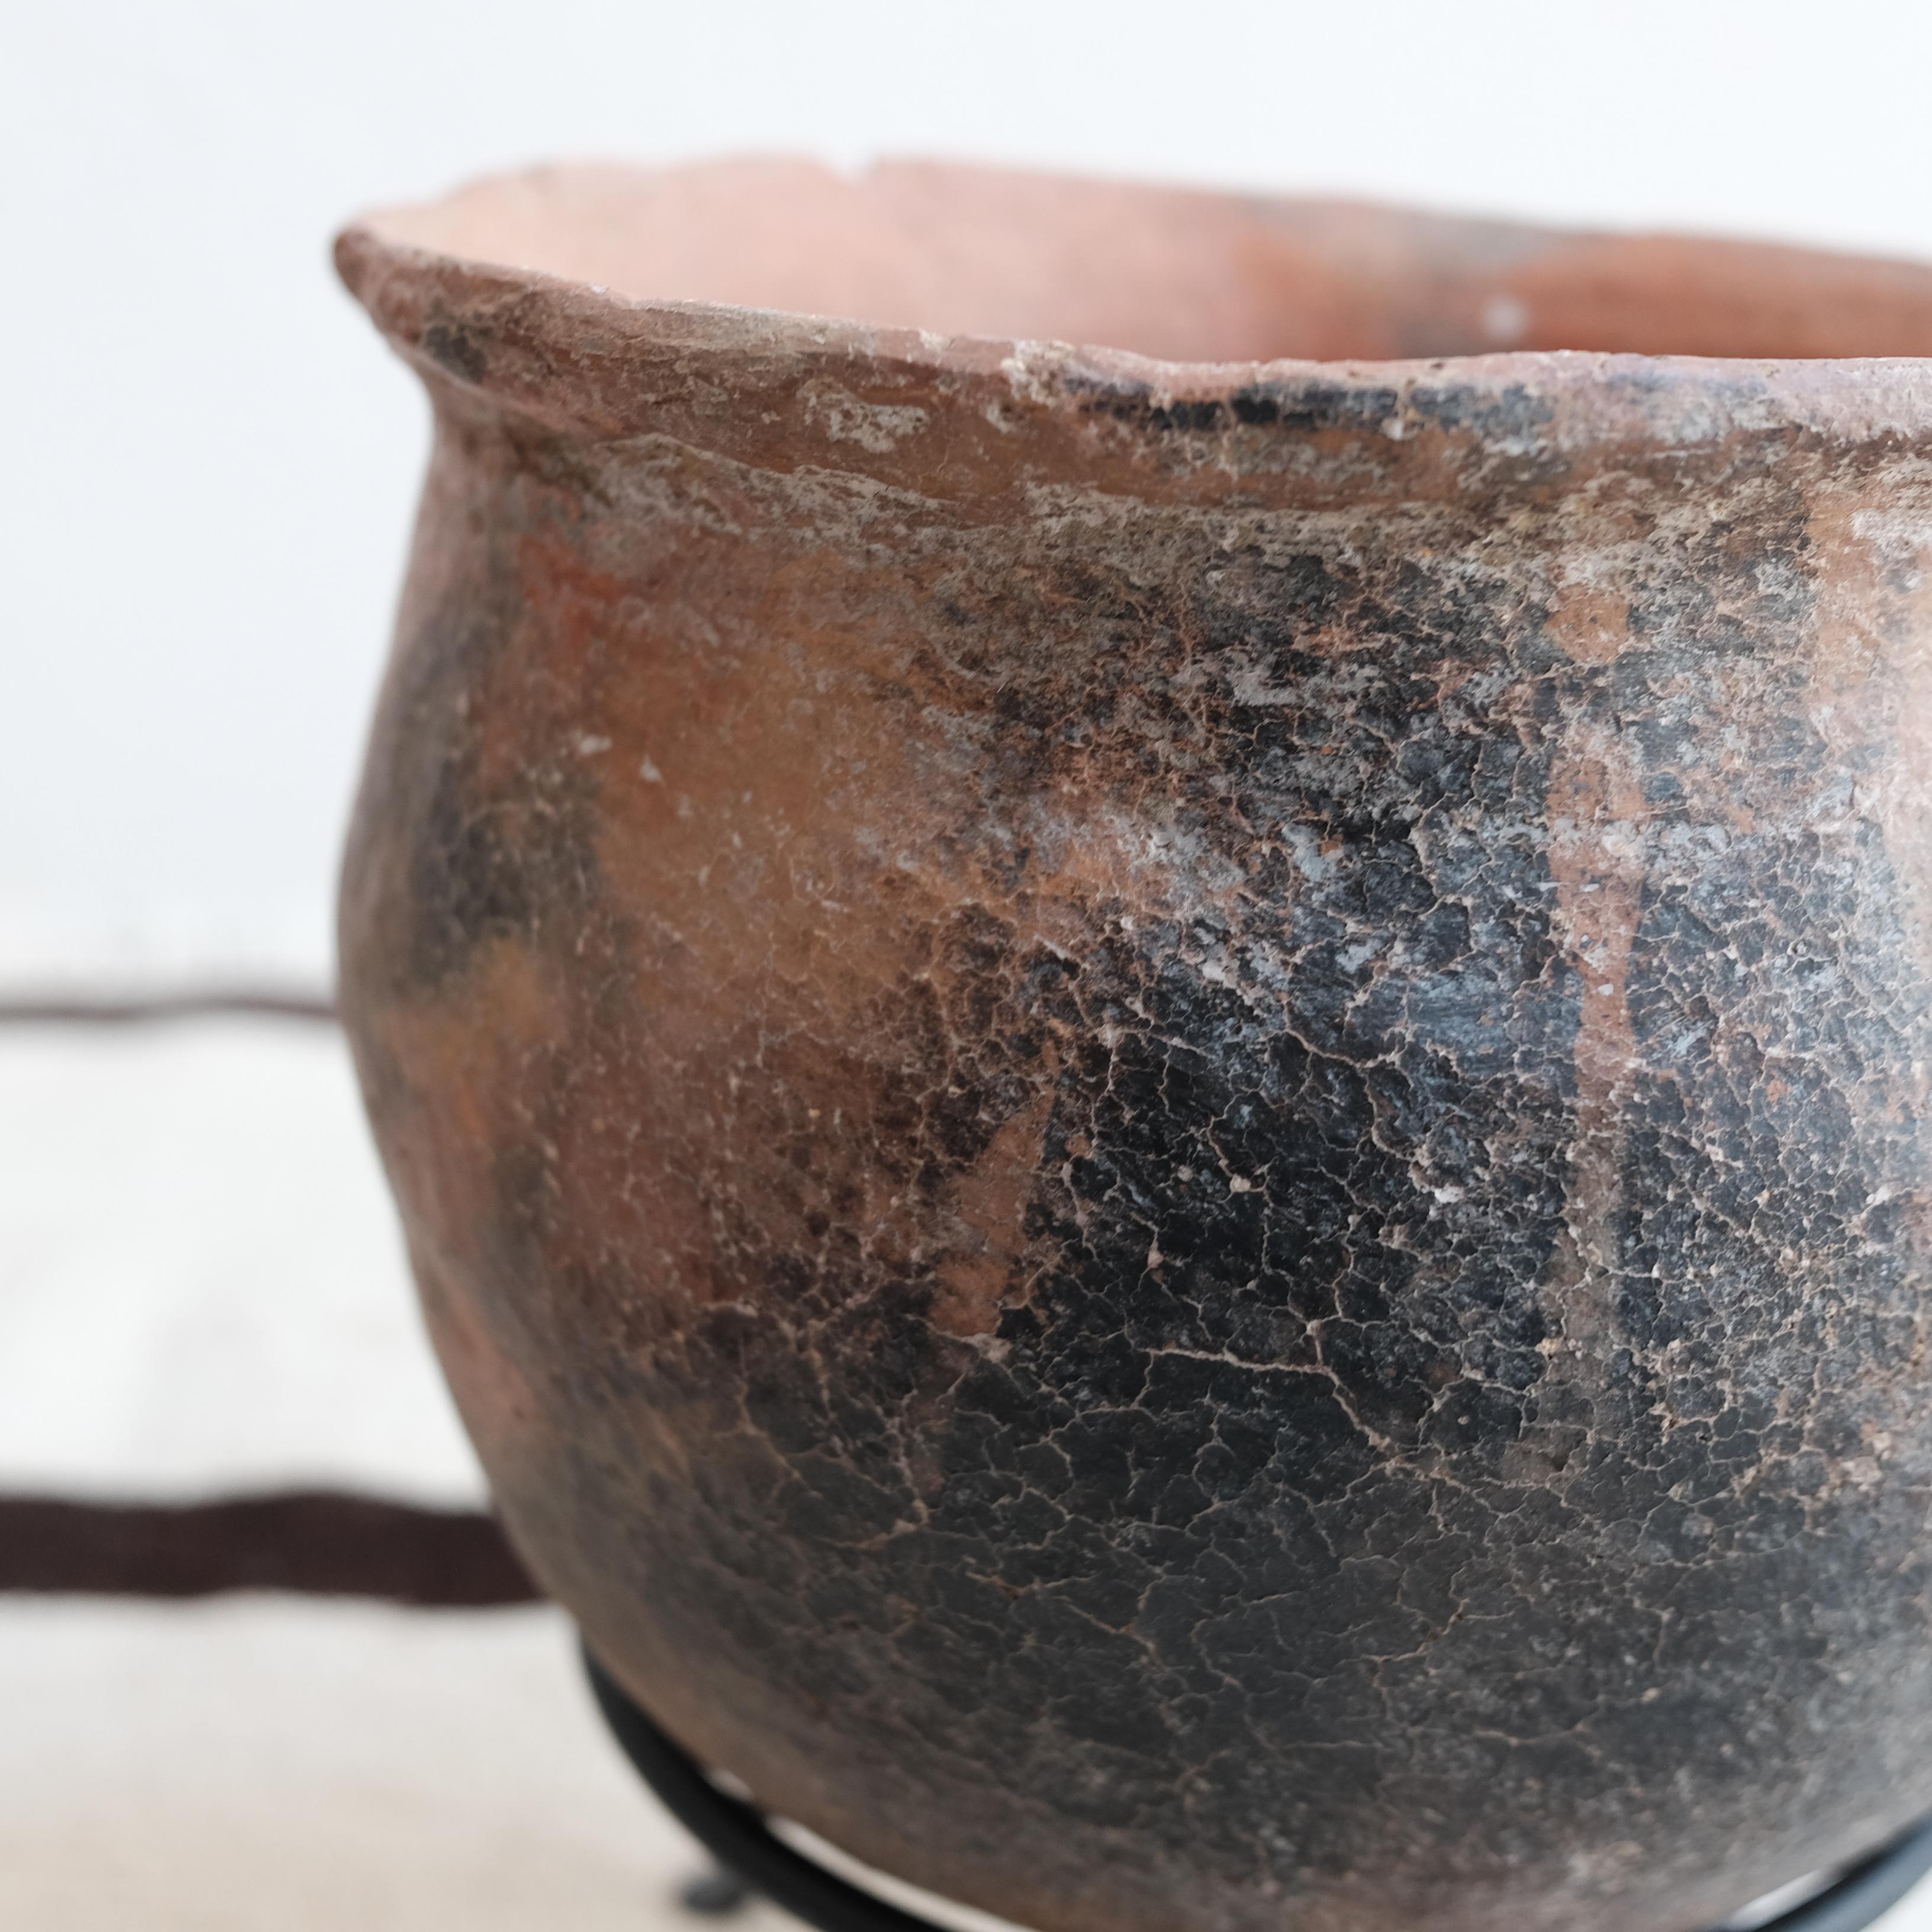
[1167, 1124]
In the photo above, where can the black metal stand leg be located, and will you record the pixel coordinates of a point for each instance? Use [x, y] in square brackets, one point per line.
[718, 1894]
[736, 1835]
[1866, 1892]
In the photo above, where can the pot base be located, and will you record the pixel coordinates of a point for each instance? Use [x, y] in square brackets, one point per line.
[735, 1834]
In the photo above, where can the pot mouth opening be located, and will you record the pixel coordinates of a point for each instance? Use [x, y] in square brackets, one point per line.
[1182, 276]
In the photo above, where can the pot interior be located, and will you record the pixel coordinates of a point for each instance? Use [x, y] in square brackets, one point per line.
[1177, 274]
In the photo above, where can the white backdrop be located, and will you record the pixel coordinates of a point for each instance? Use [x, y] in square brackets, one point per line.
[209, 460]
[206, 474]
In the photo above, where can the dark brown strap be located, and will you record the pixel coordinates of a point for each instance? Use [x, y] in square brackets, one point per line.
[74, 1010]
[315, 1543]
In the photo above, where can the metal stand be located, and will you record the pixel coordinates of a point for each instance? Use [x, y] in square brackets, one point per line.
[754, 1860]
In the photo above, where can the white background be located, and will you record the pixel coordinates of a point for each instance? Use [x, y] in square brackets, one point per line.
[206, 472]
[208, 459]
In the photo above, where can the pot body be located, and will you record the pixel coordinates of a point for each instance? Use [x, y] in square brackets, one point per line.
[1172, 1149]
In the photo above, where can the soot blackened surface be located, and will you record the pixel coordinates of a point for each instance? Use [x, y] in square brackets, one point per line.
[1169, 1542]
[1319, 1339]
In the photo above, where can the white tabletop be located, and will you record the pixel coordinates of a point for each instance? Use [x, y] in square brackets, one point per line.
[202, 1293]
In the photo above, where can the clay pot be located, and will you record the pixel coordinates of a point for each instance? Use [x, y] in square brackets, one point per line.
[1166, 1120]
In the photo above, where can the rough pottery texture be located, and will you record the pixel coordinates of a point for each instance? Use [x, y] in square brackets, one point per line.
[1166, 1120]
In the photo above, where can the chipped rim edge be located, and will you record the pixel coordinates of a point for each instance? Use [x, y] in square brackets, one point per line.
[573, 340]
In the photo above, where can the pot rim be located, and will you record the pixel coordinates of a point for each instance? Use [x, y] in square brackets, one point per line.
[558, 347]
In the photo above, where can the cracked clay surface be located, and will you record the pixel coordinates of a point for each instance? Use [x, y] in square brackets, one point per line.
[1170, 1136]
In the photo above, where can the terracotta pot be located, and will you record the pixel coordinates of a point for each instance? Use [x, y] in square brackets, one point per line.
[1166, 1120]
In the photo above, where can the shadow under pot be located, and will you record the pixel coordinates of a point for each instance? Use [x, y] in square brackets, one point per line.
[1163, 1108]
